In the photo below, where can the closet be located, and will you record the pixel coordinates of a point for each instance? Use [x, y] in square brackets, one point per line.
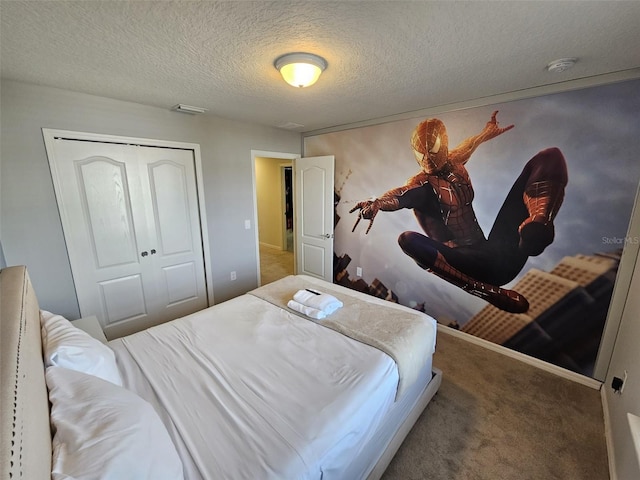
[131, 220]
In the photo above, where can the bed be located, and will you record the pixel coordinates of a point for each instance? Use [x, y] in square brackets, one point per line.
[248, 388]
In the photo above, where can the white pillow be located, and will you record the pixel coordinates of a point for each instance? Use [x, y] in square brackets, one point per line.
[67, 346]
[106, 432]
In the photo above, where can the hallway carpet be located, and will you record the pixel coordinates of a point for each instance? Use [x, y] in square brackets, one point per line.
[274, 264]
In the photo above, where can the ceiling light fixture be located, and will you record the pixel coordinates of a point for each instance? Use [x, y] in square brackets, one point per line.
[300, 69]
[182, 108]
[562, 64]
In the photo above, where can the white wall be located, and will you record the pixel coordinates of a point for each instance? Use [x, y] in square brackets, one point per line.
[3, 262]
[624, 458]
[29, 220]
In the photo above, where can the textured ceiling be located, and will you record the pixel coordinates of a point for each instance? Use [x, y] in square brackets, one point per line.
[385, 58]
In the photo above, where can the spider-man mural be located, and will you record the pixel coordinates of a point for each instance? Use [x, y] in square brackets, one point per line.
[441, 195]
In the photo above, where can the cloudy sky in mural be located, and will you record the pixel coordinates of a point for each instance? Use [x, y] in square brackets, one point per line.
[597, 131]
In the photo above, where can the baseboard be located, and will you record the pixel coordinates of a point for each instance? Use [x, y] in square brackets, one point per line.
[607, 435]
[562, 372]
[268, 245]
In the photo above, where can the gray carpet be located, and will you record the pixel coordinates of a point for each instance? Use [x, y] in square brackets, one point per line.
[497, 418]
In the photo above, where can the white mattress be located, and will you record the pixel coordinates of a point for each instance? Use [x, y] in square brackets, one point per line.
[248, 390]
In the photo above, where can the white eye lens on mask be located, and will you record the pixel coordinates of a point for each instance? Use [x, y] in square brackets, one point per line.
[436, 146]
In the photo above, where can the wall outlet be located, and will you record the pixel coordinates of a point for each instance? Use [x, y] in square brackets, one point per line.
[247, 224]
[233, 276]
[618, 383]
[358, 271]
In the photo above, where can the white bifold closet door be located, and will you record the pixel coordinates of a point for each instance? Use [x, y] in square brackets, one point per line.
[131, 222]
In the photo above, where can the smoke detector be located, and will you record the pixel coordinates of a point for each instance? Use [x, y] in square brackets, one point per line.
[562, 64]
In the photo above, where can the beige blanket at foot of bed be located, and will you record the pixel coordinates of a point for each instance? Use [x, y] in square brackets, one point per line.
[406, 335]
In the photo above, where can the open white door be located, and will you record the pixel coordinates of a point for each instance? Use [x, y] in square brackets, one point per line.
[314, 216]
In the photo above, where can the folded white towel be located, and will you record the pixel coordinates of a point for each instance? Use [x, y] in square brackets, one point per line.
[318, 300]
[308, 311]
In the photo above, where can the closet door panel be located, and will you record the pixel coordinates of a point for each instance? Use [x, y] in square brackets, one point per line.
[169, 182]
[123, 298]
[171, 207]
[99, 200]
[181, 283]
[105, 195]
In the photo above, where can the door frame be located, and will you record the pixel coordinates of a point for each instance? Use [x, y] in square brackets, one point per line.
[280, 156]
[50, 135]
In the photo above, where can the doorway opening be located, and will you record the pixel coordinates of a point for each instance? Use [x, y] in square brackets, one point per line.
[274, 215]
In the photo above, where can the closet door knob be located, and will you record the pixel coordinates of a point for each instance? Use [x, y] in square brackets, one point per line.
[153, 251]
[144, 254]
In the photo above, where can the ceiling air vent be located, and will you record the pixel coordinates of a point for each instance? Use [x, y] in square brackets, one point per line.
[182, 108]
[291, 126]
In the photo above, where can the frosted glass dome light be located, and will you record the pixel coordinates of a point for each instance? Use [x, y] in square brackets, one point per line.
[300, 69]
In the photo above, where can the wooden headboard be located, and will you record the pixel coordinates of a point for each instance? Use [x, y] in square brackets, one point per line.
[25, 448]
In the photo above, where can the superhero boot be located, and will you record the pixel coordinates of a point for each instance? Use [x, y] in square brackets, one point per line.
[543, 200]
[507, 300]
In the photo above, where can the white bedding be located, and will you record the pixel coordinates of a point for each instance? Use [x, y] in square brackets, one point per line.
[240, 399]
[406, 335]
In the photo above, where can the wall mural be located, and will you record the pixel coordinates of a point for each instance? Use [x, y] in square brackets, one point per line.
[506, 222]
